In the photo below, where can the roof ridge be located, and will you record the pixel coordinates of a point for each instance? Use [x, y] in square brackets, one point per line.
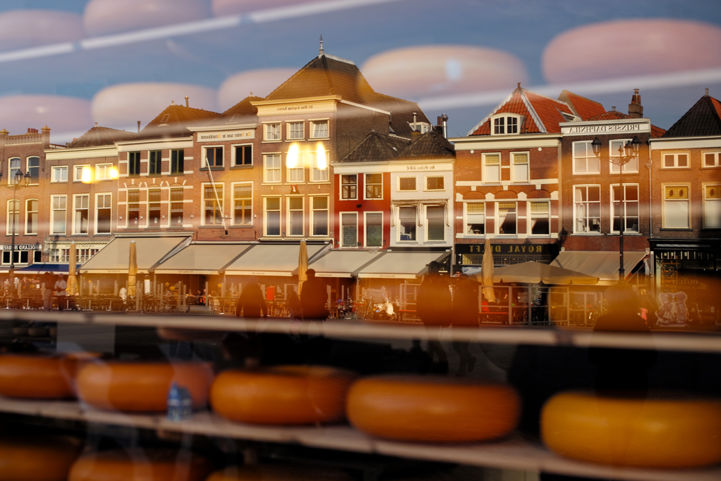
[532, 110]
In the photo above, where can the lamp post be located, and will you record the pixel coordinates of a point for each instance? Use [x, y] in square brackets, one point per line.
[626, 152]
[18, 179]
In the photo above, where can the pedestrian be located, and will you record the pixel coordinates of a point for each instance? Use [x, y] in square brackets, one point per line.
[251, 302]
[313, 297]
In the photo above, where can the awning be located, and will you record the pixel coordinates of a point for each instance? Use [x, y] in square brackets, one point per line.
[601, 264]
[270, 260]
[46, 267]
[114, 258]
[201, 258]
[400, 265]
[343, 263]
[533, 272]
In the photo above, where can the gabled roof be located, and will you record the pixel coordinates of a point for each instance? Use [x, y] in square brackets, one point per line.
[616, 115]
[376, 146]
[172, 121]
[541, 114]
[583, 107]
[101, 136]
[242, 110]
[430, 144]
[703, 119]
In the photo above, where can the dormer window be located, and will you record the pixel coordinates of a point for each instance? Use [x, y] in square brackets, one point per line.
[505, 124]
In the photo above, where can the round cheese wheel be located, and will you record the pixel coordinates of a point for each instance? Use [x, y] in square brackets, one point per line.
[425, 408]
[37, 459]
[281, 395]
[140, 465]
[278, 473]
[35, 376]
[141, 386]
[661, 432]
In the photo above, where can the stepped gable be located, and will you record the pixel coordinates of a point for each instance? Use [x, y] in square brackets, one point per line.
[703, 119]
[101, 136]
[583, 107]
[377, 147]
[616, 115]
[243, 110]
[541, 115]
[432, 144]
[172, 121]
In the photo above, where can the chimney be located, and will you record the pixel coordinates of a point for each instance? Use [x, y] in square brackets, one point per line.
[187, 101]
[443, 124]
[635, 109]
[138, 126]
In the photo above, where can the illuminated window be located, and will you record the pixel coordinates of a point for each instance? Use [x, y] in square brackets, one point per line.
[176, 206]
[59, 173]
[212, 204]
[80, 173]
[103, 171]
[31, 216]
[13, 217]
[243, 203]
[584, 160]
[373, 186]
[154, 207]
[676, 207]
[491, 167]
[519, 167]
[540, 218]
[616, 151]
[587, 208]
[349, 187]
[474, 219]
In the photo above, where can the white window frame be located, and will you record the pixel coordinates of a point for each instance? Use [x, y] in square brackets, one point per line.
[235, 200]
[276, 169]
[313, 214]
[467, 216]
[514, 169]
[498, 221]
[532, 216]
[501, 124]
[665, 204]
[630, 167]
[675, 156]
[272, 132]
[711, 206]
[715, 155]
[343, 186]
[365, 228]
[587, 157]
[406, 177]
[33, 179]
[341, 240]
[366, 183]
[139, 204]
[219, 190]
[172, 206]
[78, 209]
[294, 175]
[103, 171]
[626, 204]
[491, 162]
[101, 205]
[313, 130]
[586, 208]
[234, 154]
[15, 164]
[279, 210]
[400, 225]
[427, 222]
[204, 157]
[28, 213]
[52, 214]
[429, 177]
[292, 133]
[12, 208]
[160, 202]
[78, 171]
[290, 215]
[55, 170]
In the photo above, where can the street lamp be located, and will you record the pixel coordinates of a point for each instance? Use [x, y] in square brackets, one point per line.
[19, 179]
[626, 152]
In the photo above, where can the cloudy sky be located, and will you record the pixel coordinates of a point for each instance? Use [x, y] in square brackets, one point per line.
[68, 64]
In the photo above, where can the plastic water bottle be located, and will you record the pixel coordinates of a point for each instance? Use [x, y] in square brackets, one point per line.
[186, 403]
[175, 412]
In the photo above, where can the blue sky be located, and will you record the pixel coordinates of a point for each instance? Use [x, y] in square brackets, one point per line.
[207, 51]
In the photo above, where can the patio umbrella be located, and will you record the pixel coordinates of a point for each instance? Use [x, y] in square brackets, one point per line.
[132, 270]
[302, 265]
[72, 285]
[533, 272]
[487, 272]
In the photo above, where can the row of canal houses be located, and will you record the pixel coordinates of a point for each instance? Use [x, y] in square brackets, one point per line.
[375, 189]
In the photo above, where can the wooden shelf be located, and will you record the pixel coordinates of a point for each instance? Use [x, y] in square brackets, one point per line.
[346, 329]
[512, 453]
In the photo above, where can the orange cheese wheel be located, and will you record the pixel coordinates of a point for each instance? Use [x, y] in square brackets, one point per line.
[281, 395]
[278, 473]
[141, 386]
[37, 459]
[138, 465]
[35, 376]
[660, 432]
[424, 408]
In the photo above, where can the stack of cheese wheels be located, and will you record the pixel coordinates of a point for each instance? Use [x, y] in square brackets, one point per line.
[141, 386]
[632, 430]
[35, 376]
[425, 408]
[25, 458]
[281, 395]
[278, 473]
[136, 464]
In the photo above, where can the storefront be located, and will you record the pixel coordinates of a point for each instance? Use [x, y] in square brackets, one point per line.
[469, 256]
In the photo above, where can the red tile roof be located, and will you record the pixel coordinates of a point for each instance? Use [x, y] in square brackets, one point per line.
[583, 107]
[540, 114]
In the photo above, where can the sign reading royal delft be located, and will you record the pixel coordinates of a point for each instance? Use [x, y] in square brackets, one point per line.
[472, 254]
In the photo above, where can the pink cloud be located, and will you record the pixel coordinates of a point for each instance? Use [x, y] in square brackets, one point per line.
[425, 71]
[122, 105]
[61, 114]
[631, 47]
[259, 82]
[30, 28]
[112, 16]
[230, 7]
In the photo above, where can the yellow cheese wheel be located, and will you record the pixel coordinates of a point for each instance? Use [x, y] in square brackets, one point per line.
[139, 465]
[25, 458]
[35, 376]
[661, 432]
[278, 473]
[425, 408]
[141, 386]
[281, 395]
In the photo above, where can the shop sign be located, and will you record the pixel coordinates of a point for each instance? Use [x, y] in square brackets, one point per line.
[222, 136]
[21, 247]
[605, 129]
